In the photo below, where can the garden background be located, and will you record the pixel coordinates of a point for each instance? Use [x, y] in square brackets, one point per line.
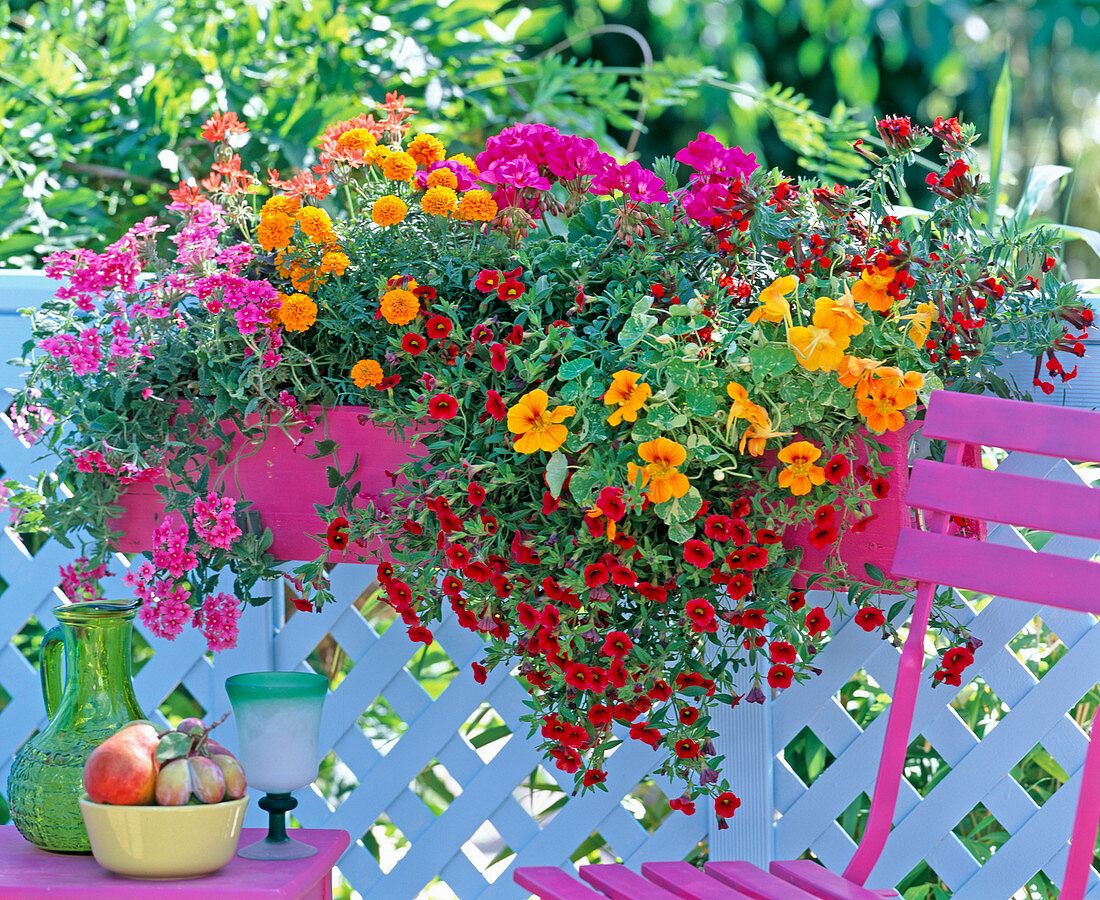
[101, 103]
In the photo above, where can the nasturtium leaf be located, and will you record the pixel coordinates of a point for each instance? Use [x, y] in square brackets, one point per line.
[556, 471]
[680, 532]
[680, 509]
[701, 401]
[574, 368]
[771, 362]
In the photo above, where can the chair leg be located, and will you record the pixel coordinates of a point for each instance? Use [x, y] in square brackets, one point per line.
[1085, 821]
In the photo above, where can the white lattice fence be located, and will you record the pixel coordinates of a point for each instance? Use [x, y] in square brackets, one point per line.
[493, 810]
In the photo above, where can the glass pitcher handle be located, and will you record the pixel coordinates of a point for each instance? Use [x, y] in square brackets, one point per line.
[49, 667]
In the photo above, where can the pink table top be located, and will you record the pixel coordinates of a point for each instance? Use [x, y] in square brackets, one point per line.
[27, 873]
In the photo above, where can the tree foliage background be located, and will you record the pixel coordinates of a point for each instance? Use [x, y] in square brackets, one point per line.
[101, 100]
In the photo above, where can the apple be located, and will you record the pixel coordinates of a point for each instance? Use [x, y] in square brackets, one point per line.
[123, 769]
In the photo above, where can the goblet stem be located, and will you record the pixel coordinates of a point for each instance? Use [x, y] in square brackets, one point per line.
[277, 844]
[277, 806]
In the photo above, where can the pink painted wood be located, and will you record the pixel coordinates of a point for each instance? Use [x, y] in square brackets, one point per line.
[283, 483]
[549, 883]
[619, 883]
[684, 880]
[935, 557]
[27, 873]
[755, 882]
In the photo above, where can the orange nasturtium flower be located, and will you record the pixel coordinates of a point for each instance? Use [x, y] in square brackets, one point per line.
[628, 394]
[839, 316]
[399, 307]
[664, 481]
[920, 323]
[759, 431]
[855, 370]
[535, 427]
[872, 285]
[816, 347]
[800, 474]
[773, 304]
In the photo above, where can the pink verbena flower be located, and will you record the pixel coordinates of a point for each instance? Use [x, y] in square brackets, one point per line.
[170, 552]
[218, 619]
[80, 581]
[165, 611]
[213, 520]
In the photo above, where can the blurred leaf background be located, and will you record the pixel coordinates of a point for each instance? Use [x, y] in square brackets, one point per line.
[101, 100]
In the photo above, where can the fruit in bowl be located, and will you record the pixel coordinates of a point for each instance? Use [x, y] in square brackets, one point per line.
[163, 805]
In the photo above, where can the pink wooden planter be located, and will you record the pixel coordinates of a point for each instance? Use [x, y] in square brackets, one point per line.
[283, 484]
[875, 545]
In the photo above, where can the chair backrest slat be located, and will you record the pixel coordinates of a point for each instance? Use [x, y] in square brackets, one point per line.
[1014, 425]
[1049, 580]
[1040, 503]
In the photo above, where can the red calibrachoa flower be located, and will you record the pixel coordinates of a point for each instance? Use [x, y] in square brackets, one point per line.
[594, 777]
[617, 644]
[596, 574]
[726, 804]
[837, 469]
[442, 406]
[869, 618]
[699, 611]
[780, 676]
[698, 554]
[817, 622]
[480, 673]
[753, 618]
[686, 748]
[418, 633]
[494, 405]
[783, 652]
[796, 600]
[683, 804]
[512, 289]
[337, 535]
[413, 344]
[488, 280]
[438, 327]
[717, 528]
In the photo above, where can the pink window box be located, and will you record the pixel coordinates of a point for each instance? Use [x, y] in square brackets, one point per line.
[283, 484]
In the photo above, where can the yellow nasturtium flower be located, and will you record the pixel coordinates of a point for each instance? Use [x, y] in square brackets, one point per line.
[628, 395]
[800, 474]
[774, 306]
[535, 427]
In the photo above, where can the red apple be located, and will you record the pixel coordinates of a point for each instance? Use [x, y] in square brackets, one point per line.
[123, 769]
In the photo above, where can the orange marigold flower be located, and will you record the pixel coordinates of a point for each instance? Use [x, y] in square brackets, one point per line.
[377, 155]
[477, 206]
[628, 394]
[297, 312]
[280, 203]
[301, 278]
[442, 178]
[426, 149]
[800, 474]
[333, 262]
[275, 231]
[399, 167]
[388, 210]
[399, 306]
[535, 427]
[662, 477]
[773, 303]
[439, 201]
[872, 285]
[366, 373]
[467, 162]
[357, 140]
[315, 224]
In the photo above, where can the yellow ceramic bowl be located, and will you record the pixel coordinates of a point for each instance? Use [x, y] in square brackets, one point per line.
[163, 841]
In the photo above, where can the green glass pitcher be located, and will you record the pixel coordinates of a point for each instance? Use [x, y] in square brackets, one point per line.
[98, 699]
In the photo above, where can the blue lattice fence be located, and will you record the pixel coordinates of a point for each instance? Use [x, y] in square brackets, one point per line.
[497, 809]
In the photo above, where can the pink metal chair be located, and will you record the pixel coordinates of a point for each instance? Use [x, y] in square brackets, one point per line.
[931, 557]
